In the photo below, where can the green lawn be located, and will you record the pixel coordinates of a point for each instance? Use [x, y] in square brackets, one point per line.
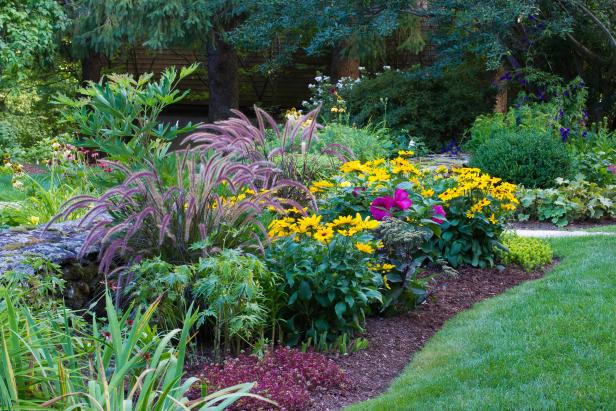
[547, 344]
[604, 229]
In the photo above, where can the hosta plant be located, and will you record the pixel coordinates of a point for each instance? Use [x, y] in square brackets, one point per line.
[571, 200]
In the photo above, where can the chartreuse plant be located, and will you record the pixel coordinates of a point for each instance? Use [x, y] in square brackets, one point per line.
[120, 117]
[50, 359]
[529, 253]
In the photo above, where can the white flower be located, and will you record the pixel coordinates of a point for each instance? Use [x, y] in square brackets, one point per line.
[386, 67]
[318, 78]
[362, 68]
[311, 85]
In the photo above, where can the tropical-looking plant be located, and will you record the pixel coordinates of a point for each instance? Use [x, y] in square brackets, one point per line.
[120, 116]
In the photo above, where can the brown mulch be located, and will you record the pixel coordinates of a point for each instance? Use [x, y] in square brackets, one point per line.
[394, 340]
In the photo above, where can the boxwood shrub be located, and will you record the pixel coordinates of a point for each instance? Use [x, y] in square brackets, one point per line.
[526, 157]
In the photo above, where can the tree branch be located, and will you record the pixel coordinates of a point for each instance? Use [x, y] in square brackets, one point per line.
[596, 19]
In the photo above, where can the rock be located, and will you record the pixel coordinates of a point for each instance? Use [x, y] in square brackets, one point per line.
[59, 244]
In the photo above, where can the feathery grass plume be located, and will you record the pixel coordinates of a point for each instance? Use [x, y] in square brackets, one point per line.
[288, 152]
[215, 201]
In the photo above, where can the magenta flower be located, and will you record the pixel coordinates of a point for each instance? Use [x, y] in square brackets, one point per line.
[380, 207]
[612, 168]
[438, 210]
[401, 200]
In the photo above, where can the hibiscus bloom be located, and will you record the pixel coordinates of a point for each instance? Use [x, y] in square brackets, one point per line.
[401, 200]
[380, 207]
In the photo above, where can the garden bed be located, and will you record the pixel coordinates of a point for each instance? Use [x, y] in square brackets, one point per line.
[394, 340]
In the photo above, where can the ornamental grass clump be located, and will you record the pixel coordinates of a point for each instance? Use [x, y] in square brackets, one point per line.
[289, 150]
[213, 204]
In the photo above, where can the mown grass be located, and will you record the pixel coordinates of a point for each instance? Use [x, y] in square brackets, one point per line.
[603, 229]
[547, 344]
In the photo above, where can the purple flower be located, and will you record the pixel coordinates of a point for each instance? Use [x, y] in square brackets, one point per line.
[380, 207]
[401, 200]
[438, 210]
[612, 168]
[564, 133]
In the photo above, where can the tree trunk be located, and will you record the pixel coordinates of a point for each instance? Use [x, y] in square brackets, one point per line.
[343, 64]
[500, 105]
[223, 84]
[91, 67]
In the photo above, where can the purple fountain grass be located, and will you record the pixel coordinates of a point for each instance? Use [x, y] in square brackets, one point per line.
[240, 136]
[215, 201]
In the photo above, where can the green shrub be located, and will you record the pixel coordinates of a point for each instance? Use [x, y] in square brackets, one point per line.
[328, 284]
[236, 289]
[366, 143]
[436, 109]
[525, 157]
[528, 253]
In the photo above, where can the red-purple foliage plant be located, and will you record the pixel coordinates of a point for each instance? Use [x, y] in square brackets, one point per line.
[215, 201]
[284, 375]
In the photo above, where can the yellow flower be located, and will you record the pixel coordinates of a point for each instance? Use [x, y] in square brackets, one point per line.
[403, 153]
[470, 215]
[509, 207]
[427, 193]
[365, 248]
[366, 224]
[354, 165]
[492, 219]
[34, 220]
[402, 165]
[386, 283]
[378, 174]
[324, 234]
[345, 184]
[441, 169]
[385, 267]
[305, 224]
[249, 192]
[319, 186]
[380, 244]
[346, 226]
